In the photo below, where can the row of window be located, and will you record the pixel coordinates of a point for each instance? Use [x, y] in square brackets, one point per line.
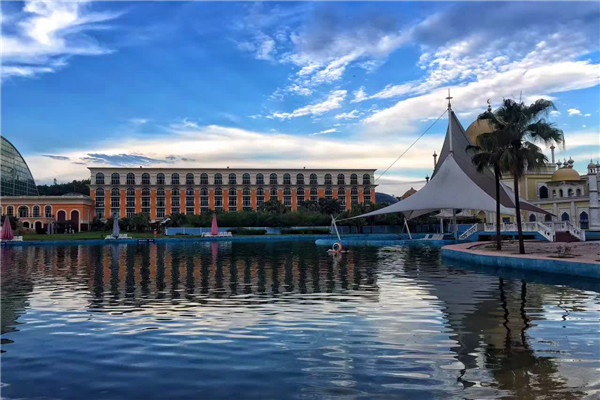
[584, 221]
[23, 211]
[115, 179]
[543, 193]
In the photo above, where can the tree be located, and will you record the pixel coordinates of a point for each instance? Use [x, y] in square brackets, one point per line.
[58, 189]
[488, 152]
[140, 222]
[519, 125]
[274, 206]
[329, 206]
[309, 205]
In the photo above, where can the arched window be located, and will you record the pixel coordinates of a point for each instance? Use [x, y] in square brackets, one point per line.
[160, 179]
[99, 203]
[341, 180]
[204, 206]
[175, 201]
[145, 178]
[367, 195]
[260, 198]
[287, 179]
[260, 179]
[218, 179]
[300, 179]
[314, 194]
[232, 198]
[232, 179]
[273, 179]
[560, 193]
[328, 180]
[353, 179]
[564, 217]
[160, 202]
[99, 178]
[543, 192]
[189, 200]
[342, 196]
[246, 199]
[218, 198]
[130, 179]
[313, 179]
[189, 179]
[532, 218]
[366, 179]
[48, 212]
[146, 201]
[10, 211]
[328, 193]
[273, 193]
[300, 195]
[287, 196]
[570, 192]
[115, 202]
[246, 179]
[36, 211]
[130, 202]
[203, 191]
[584, 222]
[174, 179]
[23, 212]
[554, 194]
[578, 192]
[115, 179]
[204, 179]
[548, 218]
[354, 196]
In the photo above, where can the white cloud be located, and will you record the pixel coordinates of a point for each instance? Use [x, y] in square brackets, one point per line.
[348, 115]
[46, 33]
[555, 113]
[297, 89]
[333, 102]
[324, 132]
[359, 95]
[573, 111]
[587, 115]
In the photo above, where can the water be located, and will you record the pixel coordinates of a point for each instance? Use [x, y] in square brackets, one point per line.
[288, 321]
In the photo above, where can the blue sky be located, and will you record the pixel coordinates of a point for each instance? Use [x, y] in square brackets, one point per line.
[284, 84]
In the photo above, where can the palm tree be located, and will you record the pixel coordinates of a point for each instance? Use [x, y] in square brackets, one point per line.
[519, 125]
[488, 152]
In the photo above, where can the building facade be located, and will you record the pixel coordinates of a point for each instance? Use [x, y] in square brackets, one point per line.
[165, 191]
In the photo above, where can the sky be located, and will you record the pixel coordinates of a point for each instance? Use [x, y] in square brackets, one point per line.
[286, 85]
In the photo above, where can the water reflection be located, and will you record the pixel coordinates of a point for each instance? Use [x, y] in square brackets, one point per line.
[365, 323]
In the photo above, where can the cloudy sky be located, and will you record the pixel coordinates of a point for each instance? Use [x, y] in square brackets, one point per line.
[284, 84]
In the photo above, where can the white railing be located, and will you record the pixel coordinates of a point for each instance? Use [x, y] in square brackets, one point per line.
[468, 232]
[567, 226]
[544, 230]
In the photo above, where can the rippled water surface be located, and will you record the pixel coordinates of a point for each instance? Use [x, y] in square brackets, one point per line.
[286, 320]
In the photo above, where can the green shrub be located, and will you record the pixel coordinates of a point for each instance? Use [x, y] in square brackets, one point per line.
[244, 231]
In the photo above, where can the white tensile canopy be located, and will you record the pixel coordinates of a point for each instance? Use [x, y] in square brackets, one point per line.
[456, 184]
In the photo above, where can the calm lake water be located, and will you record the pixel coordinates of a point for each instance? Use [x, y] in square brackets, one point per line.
[286, 320]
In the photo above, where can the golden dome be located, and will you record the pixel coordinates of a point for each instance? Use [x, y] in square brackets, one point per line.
[565, 174]
[408, 193]
[477, 128]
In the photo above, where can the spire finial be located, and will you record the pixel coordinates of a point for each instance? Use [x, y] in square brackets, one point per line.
[489, 105]
[449, 98]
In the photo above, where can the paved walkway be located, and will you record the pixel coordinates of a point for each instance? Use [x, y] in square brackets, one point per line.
[580, 252]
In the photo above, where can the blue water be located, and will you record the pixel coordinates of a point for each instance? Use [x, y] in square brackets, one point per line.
[285, 320]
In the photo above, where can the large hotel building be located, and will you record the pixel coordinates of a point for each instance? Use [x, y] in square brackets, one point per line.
[165, 191]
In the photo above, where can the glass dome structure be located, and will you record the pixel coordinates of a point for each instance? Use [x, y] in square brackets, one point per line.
[16, 178]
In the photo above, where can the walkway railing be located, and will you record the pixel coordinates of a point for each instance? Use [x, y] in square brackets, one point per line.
[468, 232]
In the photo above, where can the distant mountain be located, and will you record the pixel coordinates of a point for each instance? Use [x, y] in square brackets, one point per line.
[385, 198]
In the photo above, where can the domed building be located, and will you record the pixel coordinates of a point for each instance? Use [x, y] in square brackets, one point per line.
[16, 176]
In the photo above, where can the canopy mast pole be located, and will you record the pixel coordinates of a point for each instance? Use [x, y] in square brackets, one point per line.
[455, 225]
[451, 147]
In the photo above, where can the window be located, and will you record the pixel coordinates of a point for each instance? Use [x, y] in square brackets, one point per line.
[23, 212]
[36, 211]
[218, 199]
[218, 179]
[328, 193]
[366, 179]
[232, 199]
[260, 179]
[160, 179]
[584, 222]
[287, 197]
[341, 180]
[145, 178]
[314, 194]
[246, 179]
[204, 179]
[174, 179]
[313, 179]
[273, 193]
[189, 179]
[246, 199]
[287, 179]
[130, 179]
[189, 201]
[354, 196]
[300, 179]
[10, 211]
[570, 192]
[560, 193]
[99, 203]
[367, 196]
[232, 179]
[273, 179]
[99, 178]
[115, 198]
[204, 207]
[146, 201]
[342, 196]
[554, 194]
[328, 180]
[300, 195]
[115, 179]
[130, 202]
[564, 217]
[532, 218]
[578, 192]
[543, 192]
[160, 203]
[353, 179]
[175, 201]
[548, 218]
[48, 211]
[260, 198]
